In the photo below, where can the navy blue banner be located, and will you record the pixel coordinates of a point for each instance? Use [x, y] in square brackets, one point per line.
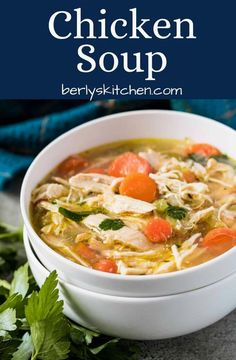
[91, 49]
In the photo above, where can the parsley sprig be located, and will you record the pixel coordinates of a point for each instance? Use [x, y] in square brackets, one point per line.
[111, 224]
[79, 216]
[222, 158]
[32, 323]
[176, 212]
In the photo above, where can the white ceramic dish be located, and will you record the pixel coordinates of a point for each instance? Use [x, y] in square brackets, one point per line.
[135, 124]
[142, 318]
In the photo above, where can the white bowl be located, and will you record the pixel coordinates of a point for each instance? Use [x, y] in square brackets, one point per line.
[142, 318]
[135, 124]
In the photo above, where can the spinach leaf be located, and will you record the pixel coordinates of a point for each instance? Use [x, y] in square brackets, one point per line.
[111, 224]
[176, 212]
[79, 216]
[198, 158]
[225, 160]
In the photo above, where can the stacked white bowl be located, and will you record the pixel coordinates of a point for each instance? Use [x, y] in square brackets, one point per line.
[134, 307]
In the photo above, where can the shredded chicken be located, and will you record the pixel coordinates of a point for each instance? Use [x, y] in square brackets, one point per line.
[180, 193]
[201, 215]
[48, 206]
[220, 173]
[179, 256]
[224, 210]
[192, 240]
[156, 159]
[97, 183]
[48, 192]
[121, 254]
[60, 181]
[165, 267]
[119, 204]
[70, 210]
[128, 236]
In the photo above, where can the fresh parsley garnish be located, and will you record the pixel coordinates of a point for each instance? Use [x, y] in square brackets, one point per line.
[20, 283]
[48, 326]
[111, 224]
[79, 216]
[221, 157]
[32, 324]
[25, 348]
[198, 158]
[225, 160]
[203, 159]
[176, 212]
[12, 253]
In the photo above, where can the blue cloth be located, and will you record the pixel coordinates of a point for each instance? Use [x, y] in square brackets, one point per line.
[20, 142]
[221, 110]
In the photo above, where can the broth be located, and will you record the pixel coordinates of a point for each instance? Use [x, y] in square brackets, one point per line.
[139, 207]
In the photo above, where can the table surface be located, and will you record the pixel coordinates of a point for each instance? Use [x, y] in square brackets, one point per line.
[217, 342]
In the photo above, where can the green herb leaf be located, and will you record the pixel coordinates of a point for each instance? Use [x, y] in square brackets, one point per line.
[73, 215]
[89, 345]
[81, 334]
[5, 284]
[12, 252]
[115, 352]
[98, 349]
[20, 282]
[176, 212]
[11, 302]
[8, 314]
[111, 224]
[8, 347]
[9, 231]
[221, 158]
[39, 330]
[49, 328]
[7, 321]
[78, 216]
[225, 160]
[25, 349]
[198, 158]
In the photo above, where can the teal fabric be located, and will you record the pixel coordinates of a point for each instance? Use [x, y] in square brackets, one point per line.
[222, 110]
[20, 142]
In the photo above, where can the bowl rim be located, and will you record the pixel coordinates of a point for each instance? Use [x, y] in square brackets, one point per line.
[90, 271]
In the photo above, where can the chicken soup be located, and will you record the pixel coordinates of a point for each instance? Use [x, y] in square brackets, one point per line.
[139, 207]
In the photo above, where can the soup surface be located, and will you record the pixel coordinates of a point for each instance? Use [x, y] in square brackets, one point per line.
[139, 207]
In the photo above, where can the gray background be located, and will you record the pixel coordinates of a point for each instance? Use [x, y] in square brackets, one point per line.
[217, 342]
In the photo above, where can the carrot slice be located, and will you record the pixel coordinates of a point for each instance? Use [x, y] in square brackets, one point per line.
[85, 251]
[219, 240]
[106, 265]
[95, 170]
[139, 186]
[189, 176]
[158, 230]
[127, 164]
[203, 149]
[71, 165]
